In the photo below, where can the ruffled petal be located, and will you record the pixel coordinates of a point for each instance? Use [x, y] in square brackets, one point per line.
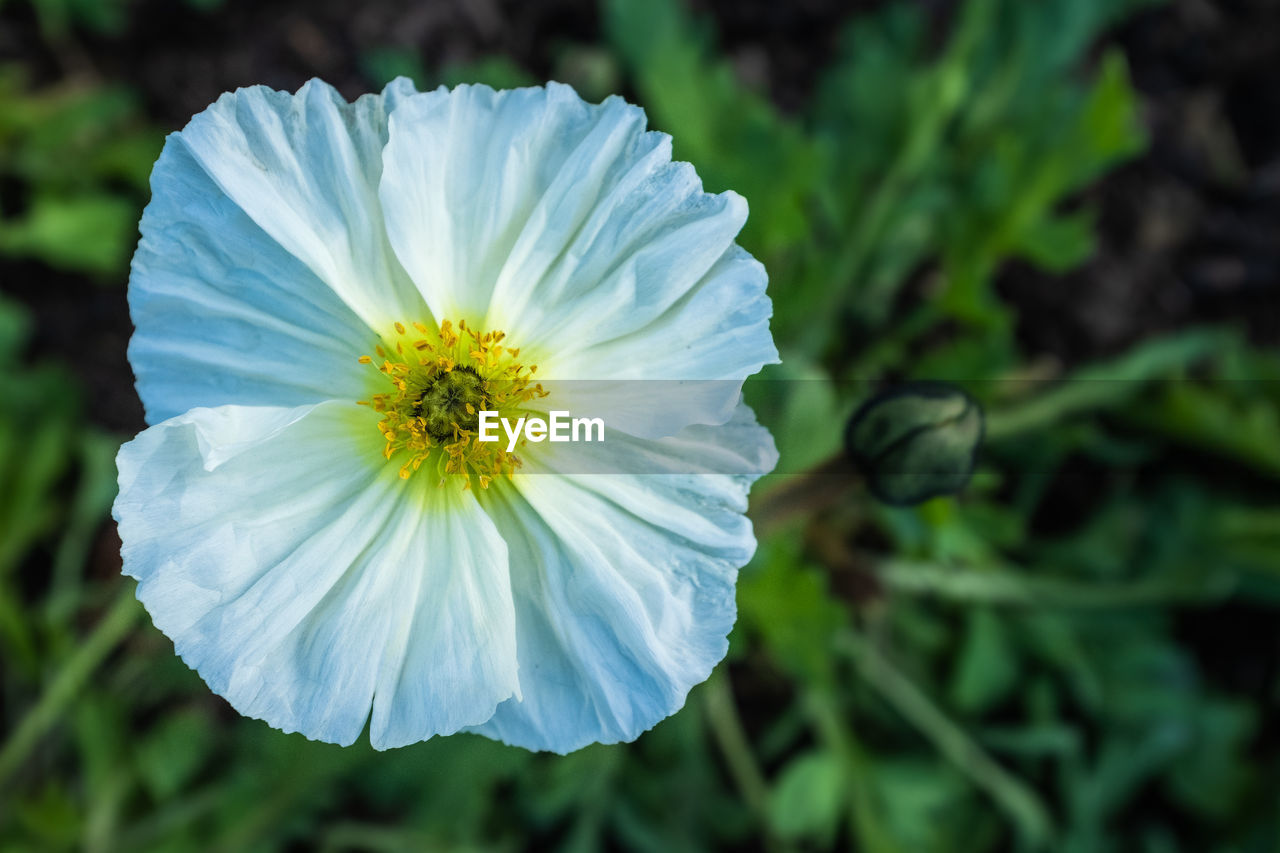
[624, 586]
[642, 408]
[717, 330]
[451, 655]
[263, 263]
[567, 225]
[306, 582]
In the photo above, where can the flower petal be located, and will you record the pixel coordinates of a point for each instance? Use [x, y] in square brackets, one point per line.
[292, 568]
[568, 226]
[223, 313]
[463, 172]
[717, 330]
[451, 656]
[263, 263]
[306, 168]
[624, 590]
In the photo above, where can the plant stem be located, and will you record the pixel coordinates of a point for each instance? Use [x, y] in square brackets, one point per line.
[726, 727]
[864, 816]
[1003, 587]
[1010, 793]
[69, 680]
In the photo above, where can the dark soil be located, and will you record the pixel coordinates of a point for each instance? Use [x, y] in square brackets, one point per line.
[1190, 233]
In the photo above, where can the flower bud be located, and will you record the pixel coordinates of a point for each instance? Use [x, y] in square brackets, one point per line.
[916, 441]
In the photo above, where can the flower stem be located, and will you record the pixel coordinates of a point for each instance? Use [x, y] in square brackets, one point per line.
[69, 681]
[868, 828]
[1011, 794]
[1009, 588]
[727, 728]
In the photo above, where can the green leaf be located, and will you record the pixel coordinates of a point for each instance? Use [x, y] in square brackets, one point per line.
[1106, 385]
[500, 72]
[987, 670]
[169, 756]
[1058, 243]
[930, 807]
[709, 113]
[791, 607]
[809, 797]
[384, 64]
[87, 233]
[799, 404]
[1216, 417]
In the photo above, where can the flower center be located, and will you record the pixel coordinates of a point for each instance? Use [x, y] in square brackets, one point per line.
[441, 379]
[452, 402]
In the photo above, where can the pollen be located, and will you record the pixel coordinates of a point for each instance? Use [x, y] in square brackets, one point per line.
[438, 379]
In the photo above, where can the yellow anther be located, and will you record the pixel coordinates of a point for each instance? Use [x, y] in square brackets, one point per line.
[432, 413]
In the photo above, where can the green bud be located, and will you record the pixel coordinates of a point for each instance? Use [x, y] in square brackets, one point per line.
[916, 441]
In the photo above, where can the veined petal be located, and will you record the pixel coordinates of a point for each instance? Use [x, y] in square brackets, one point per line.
[716, 330]
[264, 261]
[300, 576]
[463, 173]
[305, 167]
[567, 225]
[624, 588]
[224, 315]
[451, 654]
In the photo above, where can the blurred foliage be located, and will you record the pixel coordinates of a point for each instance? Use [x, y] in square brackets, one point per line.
[77, 159]
[1076, 654]
[59, 20]
[909, 155]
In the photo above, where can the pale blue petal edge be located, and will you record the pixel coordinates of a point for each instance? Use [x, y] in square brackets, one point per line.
[304, 581]
[567, 225]
[262, 256]
[623, 586]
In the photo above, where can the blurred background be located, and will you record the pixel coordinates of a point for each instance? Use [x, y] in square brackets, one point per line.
[1068, 208]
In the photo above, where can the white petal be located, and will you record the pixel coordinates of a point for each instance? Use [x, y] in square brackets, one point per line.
[223, 314]
[286, 560]
[264, 263]
[262, 260]
[452, 655]
[738, 447]
[306, 168]
[624, 591]
[719, 330]
[567, 225]
[463, 173]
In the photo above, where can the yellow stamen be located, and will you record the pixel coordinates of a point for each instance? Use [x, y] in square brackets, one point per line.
[431, 417]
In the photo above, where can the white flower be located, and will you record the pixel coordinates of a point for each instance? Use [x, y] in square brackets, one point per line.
[322, 563]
